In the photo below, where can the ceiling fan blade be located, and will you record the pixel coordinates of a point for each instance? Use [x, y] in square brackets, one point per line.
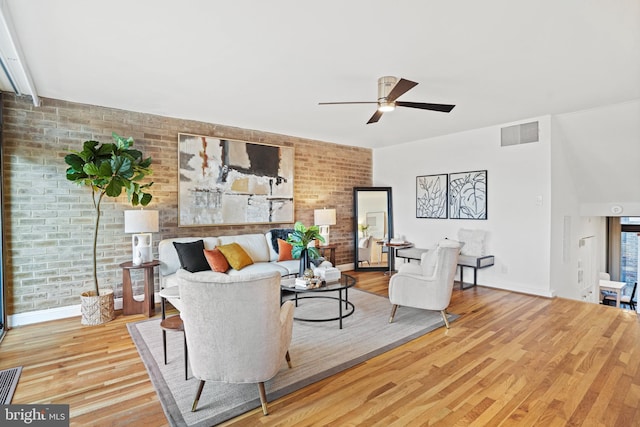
[376, 116]
[355, 102]
[400, 88]
[445, 108]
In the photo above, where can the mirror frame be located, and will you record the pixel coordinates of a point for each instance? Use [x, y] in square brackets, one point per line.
[356, 191]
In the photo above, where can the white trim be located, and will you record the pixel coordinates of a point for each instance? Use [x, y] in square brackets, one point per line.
[39, 316]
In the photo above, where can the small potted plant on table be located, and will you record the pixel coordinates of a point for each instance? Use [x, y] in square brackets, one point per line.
[300, 239]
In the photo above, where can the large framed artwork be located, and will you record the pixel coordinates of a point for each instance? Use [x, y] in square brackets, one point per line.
[229, 182]
[431, 196]
[468, 195]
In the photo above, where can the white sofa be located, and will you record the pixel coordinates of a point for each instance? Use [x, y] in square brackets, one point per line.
[257, 246]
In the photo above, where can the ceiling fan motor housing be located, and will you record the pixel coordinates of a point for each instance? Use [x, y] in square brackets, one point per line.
[385, 84]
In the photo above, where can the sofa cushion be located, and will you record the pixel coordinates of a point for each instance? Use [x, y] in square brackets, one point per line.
[291, 266]
[284, 250]
[260, 268]
[191, 256]
[255, 245]
[237, 257]
[216, 260]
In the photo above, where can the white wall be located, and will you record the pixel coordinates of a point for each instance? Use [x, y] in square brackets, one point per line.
[594, 167]
[519, 199]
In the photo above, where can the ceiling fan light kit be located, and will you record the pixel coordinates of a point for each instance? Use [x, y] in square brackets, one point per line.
[389, 90]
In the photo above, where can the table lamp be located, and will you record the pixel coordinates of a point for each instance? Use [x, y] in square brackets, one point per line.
[323, 218]
[142, 223]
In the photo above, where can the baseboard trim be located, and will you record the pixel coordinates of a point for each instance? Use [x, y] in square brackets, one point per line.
[39, 316]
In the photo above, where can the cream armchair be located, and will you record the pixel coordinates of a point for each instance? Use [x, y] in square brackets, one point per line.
[428, 285]
[236, 330]
[364, 250]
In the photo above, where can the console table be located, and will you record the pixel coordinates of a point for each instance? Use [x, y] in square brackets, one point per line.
[129, 304]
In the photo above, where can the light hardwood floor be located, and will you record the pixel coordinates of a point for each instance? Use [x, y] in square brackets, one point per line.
[510, 359]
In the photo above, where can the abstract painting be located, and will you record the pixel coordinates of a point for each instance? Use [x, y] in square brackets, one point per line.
[431, 196]
[468, 195]
[227, 182]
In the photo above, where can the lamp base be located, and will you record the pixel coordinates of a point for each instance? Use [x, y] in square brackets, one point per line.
[324, 232]
[141, 248]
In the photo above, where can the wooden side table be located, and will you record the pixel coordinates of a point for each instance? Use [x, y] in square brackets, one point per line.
[129, 304]
[332, 252]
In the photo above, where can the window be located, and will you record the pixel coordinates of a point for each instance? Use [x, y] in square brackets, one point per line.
[630, 234]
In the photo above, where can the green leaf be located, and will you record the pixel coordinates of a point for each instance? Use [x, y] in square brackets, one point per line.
[146, 198]
[313, 252]
[73, 175]
[105, 169]
[121, 166]
[106, 150]
[90, 169]
[89, 146]
[74, 161]
[146, 163]
[114, 188]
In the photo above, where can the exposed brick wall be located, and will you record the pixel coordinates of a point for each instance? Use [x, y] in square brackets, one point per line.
[49, 220]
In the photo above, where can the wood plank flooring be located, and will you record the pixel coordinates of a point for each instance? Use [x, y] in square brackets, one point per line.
[510, 359]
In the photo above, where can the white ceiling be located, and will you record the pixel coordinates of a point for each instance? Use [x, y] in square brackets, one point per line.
[265, 65]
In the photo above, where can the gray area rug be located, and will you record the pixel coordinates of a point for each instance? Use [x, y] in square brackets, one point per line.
[318, 350]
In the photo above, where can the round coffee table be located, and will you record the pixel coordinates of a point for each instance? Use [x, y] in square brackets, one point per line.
[341, 286]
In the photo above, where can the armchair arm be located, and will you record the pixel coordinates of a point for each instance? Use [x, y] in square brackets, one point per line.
[409, 268]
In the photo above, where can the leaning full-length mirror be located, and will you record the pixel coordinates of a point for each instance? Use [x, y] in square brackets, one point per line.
[373, 224]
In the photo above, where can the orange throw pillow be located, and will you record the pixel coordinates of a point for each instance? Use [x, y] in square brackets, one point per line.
[284, 250]
[216, 260]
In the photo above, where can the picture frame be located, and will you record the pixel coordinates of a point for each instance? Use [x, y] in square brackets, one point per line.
[431, 196]
[223, 181]
[468, 195]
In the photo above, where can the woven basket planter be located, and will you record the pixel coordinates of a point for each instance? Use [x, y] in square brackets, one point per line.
[97, 310]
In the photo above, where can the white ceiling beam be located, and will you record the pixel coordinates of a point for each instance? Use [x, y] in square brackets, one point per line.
[14, 74]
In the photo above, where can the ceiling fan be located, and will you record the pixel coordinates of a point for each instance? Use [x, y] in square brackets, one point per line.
[389, 90]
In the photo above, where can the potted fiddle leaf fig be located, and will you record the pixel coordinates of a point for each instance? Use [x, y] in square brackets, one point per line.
[300, 239]
[107, 169]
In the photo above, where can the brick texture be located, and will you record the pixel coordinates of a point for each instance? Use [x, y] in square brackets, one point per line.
[49, 220]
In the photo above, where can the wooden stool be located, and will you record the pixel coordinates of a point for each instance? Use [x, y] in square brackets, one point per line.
[174, 323]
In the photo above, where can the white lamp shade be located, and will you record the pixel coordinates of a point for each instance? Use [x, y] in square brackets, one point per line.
[141, 221]
[324, 217]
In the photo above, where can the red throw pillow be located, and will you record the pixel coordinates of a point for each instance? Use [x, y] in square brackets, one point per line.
[216, 260]
[284, 250]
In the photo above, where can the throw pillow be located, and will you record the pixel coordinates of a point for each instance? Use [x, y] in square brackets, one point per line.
[216, 260]
[279, 233]
[284, 250]
[473, 242]
[235, 255]
[191, 256]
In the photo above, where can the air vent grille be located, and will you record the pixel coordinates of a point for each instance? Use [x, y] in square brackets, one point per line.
[519, 134]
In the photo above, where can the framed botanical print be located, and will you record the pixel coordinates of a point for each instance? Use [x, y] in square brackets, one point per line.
[468, 195]
[431, 196]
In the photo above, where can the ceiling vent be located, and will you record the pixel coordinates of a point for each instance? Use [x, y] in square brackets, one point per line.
[519, 134]
[14, 75]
